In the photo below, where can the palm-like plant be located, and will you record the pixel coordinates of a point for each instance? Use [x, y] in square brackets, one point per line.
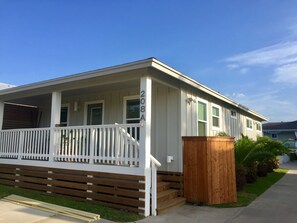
[256, 157]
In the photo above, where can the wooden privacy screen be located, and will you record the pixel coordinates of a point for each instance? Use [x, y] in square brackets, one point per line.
[209, 170]
[18, 117]
[114, 190]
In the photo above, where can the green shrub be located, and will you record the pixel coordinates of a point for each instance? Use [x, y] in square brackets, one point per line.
[256, 157]
[240, 177]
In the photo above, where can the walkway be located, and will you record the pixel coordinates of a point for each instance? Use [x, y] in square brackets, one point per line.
[278, 204]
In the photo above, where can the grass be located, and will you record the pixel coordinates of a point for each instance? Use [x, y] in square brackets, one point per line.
[251, 191]
[105, 212]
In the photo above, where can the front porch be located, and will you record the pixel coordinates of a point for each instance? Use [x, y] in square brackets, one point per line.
[111, 151]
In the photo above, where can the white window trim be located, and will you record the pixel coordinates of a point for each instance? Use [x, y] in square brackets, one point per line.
[207, 118]
[260, 125]
[67, 105]
[234, 117]
[127, 98]
[86, 110]
[220, 116]
[248, 128]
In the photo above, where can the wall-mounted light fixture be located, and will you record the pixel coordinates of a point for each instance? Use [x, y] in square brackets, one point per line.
[75, 106]
[189, 100]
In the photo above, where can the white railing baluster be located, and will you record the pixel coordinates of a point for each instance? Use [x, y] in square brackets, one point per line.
[101, 144]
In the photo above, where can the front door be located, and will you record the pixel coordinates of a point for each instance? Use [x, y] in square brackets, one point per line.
[95, 114]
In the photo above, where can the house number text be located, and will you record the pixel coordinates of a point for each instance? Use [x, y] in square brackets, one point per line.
[142, 106]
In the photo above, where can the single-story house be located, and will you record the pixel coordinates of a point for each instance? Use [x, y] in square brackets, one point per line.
[282, 131]
[112, 126]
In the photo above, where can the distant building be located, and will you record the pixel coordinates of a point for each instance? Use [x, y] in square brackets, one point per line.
[4, 86]
[281, 131]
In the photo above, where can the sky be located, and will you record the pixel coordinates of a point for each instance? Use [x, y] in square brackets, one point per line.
[246, 50]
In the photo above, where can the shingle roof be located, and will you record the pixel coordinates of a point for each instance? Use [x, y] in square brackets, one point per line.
[280, 126]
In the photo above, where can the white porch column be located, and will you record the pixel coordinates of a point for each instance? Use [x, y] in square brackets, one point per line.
[145, 135]
[1, 114]
[55, 119]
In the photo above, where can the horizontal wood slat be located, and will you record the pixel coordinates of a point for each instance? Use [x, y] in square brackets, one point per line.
[175, 180]
[114, 190]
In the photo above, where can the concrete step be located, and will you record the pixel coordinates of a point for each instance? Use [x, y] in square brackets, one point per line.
[170, 204]
[167, 195]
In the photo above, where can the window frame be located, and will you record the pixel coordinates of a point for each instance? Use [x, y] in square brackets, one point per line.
[234, 117]
[207, 116]
[271, 134]
[259, 124]
[246, 122]
[67, 105]
[127, 98]
[219, 117]
[86, 110]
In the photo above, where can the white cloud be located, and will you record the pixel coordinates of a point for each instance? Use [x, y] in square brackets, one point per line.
[3, 86]
[272, 55]
[269, 103]
[232, 66]
[286, 74]
[238, 95]
[281, 57]
[244, 70]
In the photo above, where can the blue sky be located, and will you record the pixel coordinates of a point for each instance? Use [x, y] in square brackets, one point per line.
[246, 50]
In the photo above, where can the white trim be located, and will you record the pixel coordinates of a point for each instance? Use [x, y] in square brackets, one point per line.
[66, 105]
[219, 117]
[248, 128]
[77, 166]
[125, 99]
[207, 116]
[86, 110]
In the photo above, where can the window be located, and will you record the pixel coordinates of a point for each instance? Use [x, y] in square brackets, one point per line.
[131, 109]
[233, 114]
[216, 116]
[274, 136]
[258, 126]
[202, 118]
[249, 123]
[94, 113]
[64, 116]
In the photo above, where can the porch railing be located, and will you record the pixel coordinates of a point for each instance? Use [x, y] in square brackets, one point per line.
[30, 144]
[103, 144]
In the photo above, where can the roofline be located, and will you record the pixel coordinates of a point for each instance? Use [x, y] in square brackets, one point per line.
[79, 76]
[280, 130]
[169, 70]
[150, 62]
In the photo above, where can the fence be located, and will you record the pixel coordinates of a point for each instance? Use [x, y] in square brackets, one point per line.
[209, 170]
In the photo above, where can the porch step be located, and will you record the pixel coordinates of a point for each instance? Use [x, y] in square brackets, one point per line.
[170, 204]
[166, 195]
[162, 186]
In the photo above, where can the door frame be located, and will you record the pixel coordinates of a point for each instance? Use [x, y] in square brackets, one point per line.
[86, 110]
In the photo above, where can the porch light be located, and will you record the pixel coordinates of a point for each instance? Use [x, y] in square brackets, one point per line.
[189, 100]
[75, 106]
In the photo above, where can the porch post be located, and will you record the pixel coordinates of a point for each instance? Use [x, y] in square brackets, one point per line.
[55, 119]
[145, 135]
[1, 114]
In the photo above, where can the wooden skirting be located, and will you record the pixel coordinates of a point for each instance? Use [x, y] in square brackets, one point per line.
[176, 180]
[115, 190]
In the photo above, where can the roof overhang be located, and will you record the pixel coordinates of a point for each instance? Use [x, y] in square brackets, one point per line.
[147, 63]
